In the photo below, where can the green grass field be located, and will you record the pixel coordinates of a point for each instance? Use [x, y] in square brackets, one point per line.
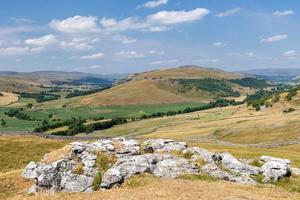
[38, 113]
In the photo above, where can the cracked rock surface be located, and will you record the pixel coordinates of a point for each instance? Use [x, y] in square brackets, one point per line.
[160, 157]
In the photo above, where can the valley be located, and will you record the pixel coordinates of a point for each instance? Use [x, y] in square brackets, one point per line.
[211, 109]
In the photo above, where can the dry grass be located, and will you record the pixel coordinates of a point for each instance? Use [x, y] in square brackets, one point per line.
[11, 184]
[57, 154]
[177, 189]
[8, 98]
[154, 88]
[18, 151]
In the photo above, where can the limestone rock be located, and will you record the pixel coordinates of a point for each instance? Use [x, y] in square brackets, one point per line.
[214, 171]
[165, 145]
[76, 183]
[232, 164]
[274, 171]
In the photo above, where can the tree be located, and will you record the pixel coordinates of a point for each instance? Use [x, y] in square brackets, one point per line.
[3, 122]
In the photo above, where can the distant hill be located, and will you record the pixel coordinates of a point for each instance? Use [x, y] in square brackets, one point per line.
[274, 74]
[31, 81]
[176, 85]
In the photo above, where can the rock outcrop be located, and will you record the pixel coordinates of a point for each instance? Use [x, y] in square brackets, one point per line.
[162, 158]
[274, 169]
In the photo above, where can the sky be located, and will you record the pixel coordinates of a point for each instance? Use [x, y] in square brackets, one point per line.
[125, 36]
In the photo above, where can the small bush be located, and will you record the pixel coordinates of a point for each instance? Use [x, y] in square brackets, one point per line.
[97, 181]
[289, 110]
[256, 163]
[78, 169]
[104, 161]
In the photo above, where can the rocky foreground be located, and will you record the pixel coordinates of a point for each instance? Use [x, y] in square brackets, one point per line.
[79, 170]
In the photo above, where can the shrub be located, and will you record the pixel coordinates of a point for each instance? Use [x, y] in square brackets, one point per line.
[289, 110]
[104, 161]
[78, 169]
[97, 181]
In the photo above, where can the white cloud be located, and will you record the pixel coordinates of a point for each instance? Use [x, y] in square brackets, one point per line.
[161, 62]
[19, 50]
[158, 29]
[229, 12]
[95, 67]
[283, 13]
[129, 54]
[76, 24]
[82, 44]
[95, 56]
[124, 39]
[129, 23]
[42, 41]
[20, 20]
[154, 4]
[175, 17]
[290, 53]
[274, 38]
[153, 52]
[219, 44]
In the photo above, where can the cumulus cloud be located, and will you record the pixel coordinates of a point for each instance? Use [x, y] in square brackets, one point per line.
[76, 24]
[274, 38]
[42, 41]
[176, 17]
[129, 54]
[219, 44]
[229, 12]
[154, 4]
[124, 39]
[129, 23]
[283, 13]
[95, 56]
[82, 44]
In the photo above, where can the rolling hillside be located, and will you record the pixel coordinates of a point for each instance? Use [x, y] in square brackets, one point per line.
[32, 81]
[183, 84]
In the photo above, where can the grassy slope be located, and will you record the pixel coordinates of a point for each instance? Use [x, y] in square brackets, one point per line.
[7, 98]
[23, 149]
[154, 88]
[42, 112]
[237, 124]
[16, 152]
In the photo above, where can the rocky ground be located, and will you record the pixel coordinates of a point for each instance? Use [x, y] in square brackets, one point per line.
[107, 163]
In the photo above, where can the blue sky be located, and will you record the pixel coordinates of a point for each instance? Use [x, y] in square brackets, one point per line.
[119, 36]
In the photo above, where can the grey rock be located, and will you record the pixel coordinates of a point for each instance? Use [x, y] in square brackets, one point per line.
[76, 183]
[200, 153]
[269, 158]
[214, 171]
[232, 164]
[165, 145]
[167, 166]
[273, 171]
[171, 167]
[112, 177]
[30, 171]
